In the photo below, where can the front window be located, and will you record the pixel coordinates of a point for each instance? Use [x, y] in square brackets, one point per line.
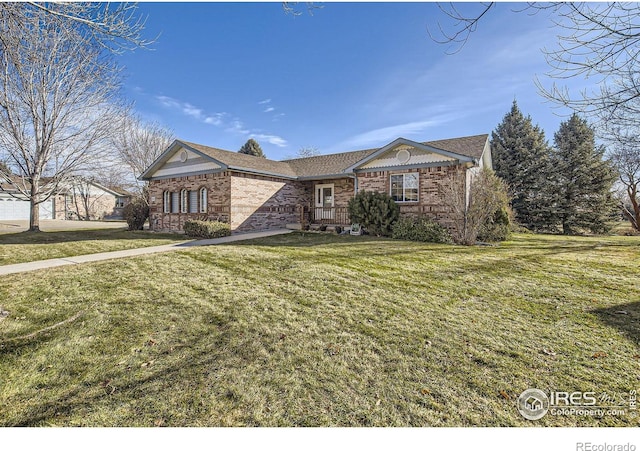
[404, 187]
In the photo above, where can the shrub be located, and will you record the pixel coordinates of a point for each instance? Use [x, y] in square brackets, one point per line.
[420, 229]
[206, 229]
[374, 211]
[497, 227]
[136, 213]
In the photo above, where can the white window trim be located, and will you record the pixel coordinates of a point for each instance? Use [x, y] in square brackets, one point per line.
[166, 202]
[184, 201]
[404, 196]
[202, 196]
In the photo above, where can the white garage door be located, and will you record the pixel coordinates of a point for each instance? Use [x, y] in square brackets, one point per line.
[14, 209]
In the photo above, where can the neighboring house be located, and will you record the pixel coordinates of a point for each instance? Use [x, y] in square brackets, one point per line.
[251, 193]
[123, 198]
[14, 206]
[84, 199]
[78, 198]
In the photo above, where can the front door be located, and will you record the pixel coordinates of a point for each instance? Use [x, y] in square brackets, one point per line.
[324, 201]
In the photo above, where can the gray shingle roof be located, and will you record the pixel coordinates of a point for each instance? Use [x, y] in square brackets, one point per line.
[327, 165]
[241, 161]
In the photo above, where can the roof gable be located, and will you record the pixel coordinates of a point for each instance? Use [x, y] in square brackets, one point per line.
[403, 152]
[180, 159]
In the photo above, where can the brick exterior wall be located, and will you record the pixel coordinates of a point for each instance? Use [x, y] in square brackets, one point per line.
[251, 202]
[218, 200]
[430, 200]
[261, 203]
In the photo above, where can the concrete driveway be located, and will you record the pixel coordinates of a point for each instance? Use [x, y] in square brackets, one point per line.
[58, 225]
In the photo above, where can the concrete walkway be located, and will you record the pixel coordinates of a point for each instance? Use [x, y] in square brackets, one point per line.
[55, 262]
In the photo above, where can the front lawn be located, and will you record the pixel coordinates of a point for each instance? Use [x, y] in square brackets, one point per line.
[27, 247]
[322, 330]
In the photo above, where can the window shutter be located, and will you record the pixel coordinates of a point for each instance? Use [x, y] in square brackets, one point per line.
[193, 202]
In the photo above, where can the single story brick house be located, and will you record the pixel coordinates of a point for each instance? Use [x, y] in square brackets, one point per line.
[252, 193]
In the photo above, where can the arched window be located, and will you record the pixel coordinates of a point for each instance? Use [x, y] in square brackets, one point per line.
[184, 201]
[203, 200]
[166, 202]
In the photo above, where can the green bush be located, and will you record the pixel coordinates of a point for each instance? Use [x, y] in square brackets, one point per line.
[206, 229]
[420, 229]
[497, 227]
[374, 211]
[136, 213]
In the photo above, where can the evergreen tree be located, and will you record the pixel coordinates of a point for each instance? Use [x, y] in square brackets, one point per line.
[521, 158]
[581, 180]
[251, 147]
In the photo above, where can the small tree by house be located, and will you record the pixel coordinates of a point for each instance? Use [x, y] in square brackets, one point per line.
[474, 208]
[251, 147]
[376, 212]
[136, 213]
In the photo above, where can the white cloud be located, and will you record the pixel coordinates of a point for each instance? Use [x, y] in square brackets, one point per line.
[271, 139]
[384, 135]
[222, 120]
[264, 102]
[215, 119]
[237, 126]
[192, 111]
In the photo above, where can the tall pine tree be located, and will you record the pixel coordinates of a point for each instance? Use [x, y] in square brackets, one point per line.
[521, 158]
[581, 180]
[251, 147]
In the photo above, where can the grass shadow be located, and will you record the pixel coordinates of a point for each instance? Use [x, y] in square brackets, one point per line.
[624, 317]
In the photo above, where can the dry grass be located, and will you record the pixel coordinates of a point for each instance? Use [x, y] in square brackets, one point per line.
[320, 330]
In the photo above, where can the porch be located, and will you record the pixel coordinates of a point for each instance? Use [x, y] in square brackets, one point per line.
[329, 216]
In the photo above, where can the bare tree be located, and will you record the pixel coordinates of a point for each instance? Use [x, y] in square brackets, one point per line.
[472, 200]
[113, 26]
[463, 25]
[138, 143]
[304, 152]
[596, 40]
[59, 90]
[87, 200]
[292, 8]
[625, 156]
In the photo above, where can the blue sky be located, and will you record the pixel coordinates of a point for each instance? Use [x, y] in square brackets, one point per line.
[351, 76]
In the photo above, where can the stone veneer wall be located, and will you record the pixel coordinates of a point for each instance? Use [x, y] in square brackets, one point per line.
[261, 203]
[218, 200]
[430, 201]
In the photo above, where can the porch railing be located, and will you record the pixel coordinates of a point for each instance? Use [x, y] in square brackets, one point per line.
[329, 215]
